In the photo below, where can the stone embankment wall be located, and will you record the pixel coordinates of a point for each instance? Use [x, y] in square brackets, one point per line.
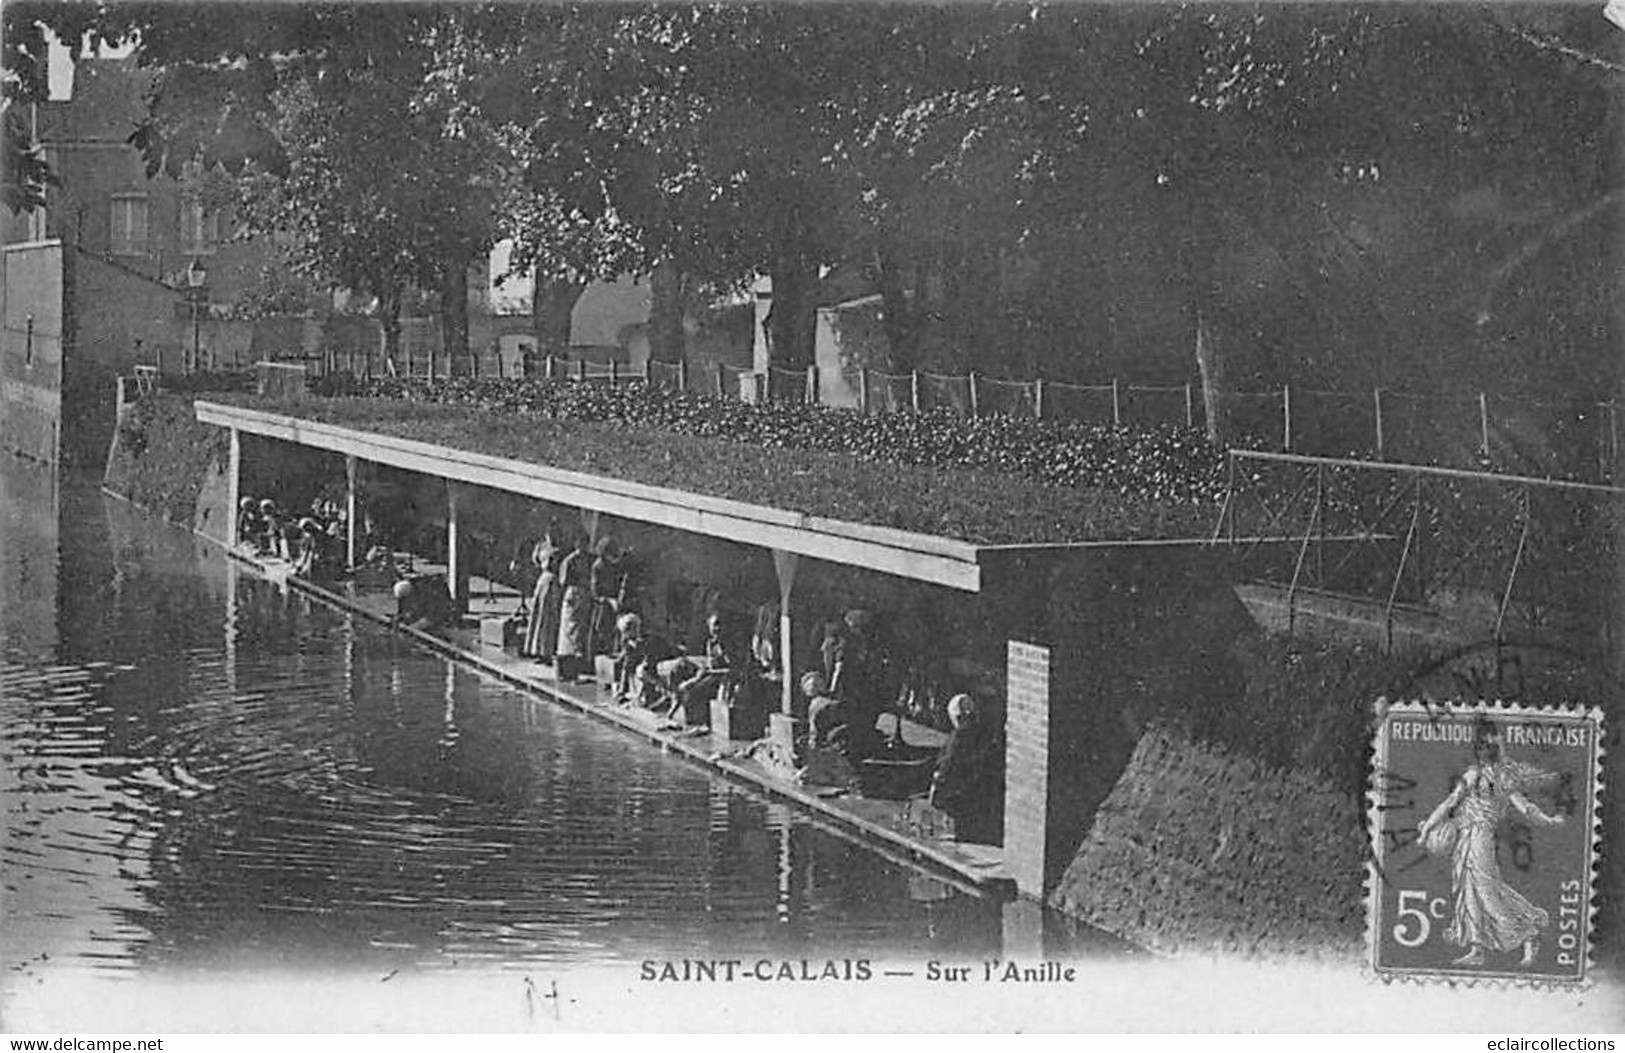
[1198, 850]
[165, 461]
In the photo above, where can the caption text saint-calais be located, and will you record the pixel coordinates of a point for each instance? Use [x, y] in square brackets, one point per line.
[730, 970]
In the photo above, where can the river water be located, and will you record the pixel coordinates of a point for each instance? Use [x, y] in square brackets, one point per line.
[208, 775]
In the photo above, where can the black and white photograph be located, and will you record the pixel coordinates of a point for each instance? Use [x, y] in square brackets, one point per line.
[530, 518]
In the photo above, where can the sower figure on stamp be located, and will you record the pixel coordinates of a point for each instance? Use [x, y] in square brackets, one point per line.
[1487, 913]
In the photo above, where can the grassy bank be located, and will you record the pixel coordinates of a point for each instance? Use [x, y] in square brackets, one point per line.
[161, 456]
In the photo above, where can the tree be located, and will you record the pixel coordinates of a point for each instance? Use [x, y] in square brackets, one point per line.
[527, 79]
[26, 27]
[323, 112]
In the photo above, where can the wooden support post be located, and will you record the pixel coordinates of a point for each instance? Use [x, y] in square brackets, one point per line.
[786, 731]
[1190, 407]
[1286, 417]
[1376, 405]
[1484, 424]
[614, 372]
[863, 390]
[589, 523]
[784, 565]
[1117, 405]
[234, 488]
[1038, 398]
[812, 386]
[914, 389]
[352, 508]
[722, 386]
[682, 374]
[581, 369]
[975, 396]
[550, 367]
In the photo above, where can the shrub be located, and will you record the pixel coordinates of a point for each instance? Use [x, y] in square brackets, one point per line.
[1165, 464]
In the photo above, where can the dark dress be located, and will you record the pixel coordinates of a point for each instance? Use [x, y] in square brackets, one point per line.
[855, 679]
[969, 783]
[575, 614]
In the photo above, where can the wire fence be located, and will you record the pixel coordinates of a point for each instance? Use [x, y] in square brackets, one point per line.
[1577, 438]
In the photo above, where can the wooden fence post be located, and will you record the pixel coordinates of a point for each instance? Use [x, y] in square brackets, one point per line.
[1376, 403]
[1190, 407]
[812, 386]
[975, 396]
[914, 389]
[1484, 424]
[1117, 405]
[1286, 417]
[682, 373]
[1038, 398]
[614, 372]
[1613, 437]
[581, 369]
[863, 390]
[722, 387]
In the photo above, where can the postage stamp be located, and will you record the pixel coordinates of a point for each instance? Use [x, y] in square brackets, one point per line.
[1483, 824]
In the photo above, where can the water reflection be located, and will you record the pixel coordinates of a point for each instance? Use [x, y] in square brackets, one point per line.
[206, 771]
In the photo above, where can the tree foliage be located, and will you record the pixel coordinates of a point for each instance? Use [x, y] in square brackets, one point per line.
[1029, 187]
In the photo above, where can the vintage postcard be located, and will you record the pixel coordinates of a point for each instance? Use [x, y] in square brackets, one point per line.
[772, 515]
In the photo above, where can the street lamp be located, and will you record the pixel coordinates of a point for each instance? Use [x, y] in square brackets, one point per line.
[196, 277]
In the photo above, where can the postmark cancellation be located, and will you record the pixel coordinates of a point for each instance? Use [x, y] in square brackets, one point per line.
[1484, 832]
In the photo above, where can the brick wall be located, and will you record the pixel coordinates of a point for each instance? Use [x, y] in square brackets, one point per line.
[1102, 642]
[1027, 765]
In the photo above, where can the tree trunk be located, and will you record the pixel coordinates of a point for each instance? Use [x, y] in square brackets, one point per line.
[900, 318]
[1210, 363]
[552, 303]
[667, 340]
[454, 315]
[791, 322]
[389, 317]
